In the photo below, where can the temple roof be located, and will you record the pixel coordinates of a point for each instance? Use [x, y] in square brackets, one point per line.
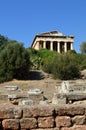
[52, 33]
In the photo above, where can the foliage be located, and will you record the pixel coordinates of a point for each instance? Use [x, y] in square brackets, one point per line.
[47, 65]
[71, 52]
[14, 62]
[64, 67]
[47, 57]
[34, 58]
[81, 61]
[44, 53]
[3, 42]
[83, 47]
[41, 58]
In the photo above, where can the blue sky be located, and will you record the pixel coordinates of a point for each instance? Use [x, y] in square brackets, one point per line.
[21, 20]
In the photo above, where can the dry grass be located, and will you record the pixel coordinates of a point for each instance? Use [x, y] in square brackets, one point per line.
[39, 80]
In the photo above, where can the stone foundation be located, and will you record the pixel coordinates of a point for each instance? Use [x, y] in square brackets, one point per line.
[48, 117]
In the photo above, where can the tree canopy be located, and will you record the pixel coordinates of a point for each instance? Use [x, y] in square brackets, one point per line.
[83, 47]
[14, 61]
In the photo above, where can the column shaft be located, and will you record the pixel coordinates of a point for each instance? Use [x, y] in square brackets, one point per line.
[51, 46]
[71, 46]
[58, 47]
[37, 47]
[44, 44]
[65, 46]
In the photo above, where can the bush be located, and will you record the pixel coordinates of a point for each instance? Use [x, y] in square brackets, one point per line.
[83, 47]
[64, 67]
[46, 59]
[34, 58]
[41, 59]
[14, 62]
[47, 66]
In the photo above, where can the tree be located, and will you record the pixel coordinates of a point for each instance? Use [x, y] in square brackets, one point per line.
[14, 62]
[3, 42]
[83, 47]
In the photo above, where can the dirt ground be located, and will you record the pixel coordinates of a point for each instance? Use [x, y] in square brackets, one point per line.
[38, 79]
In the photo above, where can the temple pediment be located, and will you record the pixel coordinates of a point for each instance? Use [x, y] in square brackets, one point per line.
[52, 33]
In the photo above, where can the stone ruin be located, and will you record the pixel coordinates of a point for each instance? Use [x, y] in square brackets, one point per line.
[66, 93]
[33, 96]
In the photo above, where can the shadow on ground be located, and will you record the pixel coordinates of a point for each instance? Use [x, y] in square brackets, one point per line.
[36, 75]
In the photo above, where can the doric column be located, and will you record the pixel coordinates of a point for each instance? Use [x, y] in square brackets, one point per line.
[51, 45]
[44, 44]
[65, 47]
[37, 45]
[58, 47]
[71, 46]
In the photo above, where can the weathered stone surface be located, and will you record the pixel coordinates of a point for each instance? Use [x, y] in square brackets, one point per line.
[36, 95]
[59, 99]
[12, 96]
[46, 122]
[48, 129]
[63, 121]
[63, 98]
[67, 117]
[46, 111]
[79, 102]
[36, 98]
[76, 96]
[76, 127]
[6, 112]
[45, 102]
[17, 111]
[68, 128]
[35, 111]
[35, 91]
[10, 112]
[64, 88]
[11, 88]
[78, 120]
[28, 123]
[12, 124]
[69, 110]
[26, 102]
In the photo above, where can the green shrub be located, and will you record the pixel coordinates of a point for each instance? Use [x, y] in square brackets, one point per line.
[14, 62]
[64, 67]
[46, 59]
[35, 58]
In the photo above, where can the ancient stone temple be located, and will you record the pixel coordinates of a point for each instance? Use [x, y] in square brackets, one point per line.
[54, 41]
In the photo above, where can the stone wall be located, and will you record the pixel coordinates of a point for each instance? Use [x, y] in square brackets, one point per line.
[48, 117]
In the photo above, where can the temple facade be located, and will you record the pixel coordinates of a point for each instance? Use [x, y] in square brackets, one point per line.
[54, 41]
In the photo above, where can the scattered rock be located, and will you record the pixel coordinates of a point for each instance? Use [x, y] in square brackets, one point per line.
[35, 91]
[59, 99]
[26, 102]
[12, 88]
